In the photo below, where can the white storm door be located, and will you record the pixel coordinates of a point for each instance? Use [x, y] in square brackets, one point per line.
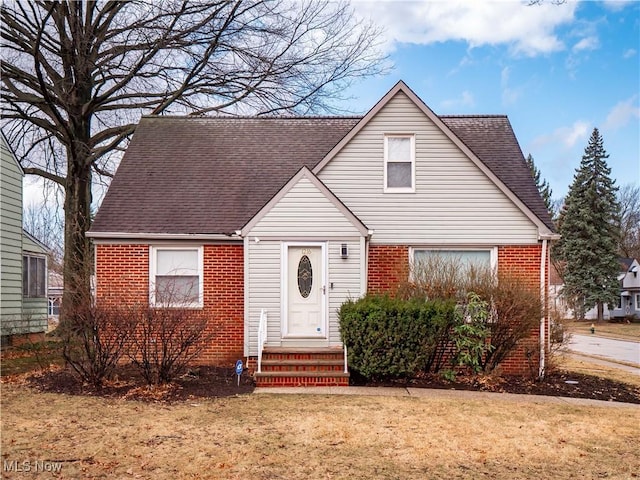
[305, 292]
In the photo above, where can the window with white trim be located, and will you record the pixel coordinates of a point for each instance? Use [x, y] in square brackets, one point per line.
[34, 276]
[176, 278]
[399, 163]
[466, 258]
[637, 301]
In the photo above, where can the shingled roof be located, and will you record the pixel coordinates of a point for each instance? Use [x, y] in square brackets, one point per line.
[190, 175]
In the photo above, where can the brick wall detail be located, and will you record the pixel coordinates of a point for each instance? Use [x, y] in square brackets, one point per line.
[122, 273]
[389, 266]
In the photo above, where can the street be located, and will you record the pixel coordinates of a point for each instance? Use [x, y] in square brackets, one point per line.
[617, 350]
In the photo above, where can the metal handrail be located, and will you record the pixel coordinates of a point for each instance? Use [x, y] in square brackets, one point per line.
[346, 367]
[262, 337]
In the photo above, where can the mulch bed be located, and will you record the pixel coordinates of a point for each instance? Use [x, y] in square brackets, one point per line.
[213, 382]
[198, 382]
[558, 384]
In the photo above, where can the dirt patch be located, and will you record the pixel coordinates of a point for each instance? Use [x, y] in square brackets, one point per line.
[557, 384]
[198, 382]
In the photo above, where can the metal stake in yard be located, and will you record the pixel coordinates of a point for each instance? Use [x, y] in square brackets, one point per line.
[239, 369]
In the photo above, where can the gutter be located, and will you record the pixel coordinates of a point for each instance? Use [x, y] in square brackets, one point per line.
[160, 236]
[543, 265]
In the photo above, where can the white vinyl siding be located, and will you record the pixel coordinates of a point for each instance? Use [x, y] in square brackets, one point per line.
[265, 286]
[303, 214]
[454, 203]
[304, 211]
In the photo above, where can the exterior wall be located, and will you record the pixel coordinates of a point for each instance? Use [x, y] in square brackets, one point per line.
[122, 271]
[10, 240]
[454, 202]
[389, 265]
[303, 214]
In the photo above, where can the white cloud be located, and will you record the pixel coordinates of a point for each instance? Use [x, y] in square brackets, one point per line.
[587, 43]
[622, 113]
[566, 136]
[466, 99]
[527, 30]
[629, 53]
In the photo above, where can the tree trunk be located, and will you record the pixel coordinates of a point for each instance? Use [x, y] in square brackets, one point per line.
[600, 312]
[78, 264]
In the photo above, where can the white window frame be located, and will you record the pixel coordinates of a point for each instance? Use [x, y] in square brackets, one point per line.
[637, 297]
[493, 252]
[412, 138]
[26, 275]
[153, 264]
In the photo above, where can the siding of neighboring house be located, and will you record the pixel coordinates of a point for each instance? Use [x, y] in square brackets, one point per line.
[454, 201]
[302, 214]
[123, 277]
[34, 310]
[10, 239]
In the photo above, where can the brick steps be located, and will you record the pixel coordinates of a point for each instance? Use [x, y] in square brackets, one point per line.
[295, 367]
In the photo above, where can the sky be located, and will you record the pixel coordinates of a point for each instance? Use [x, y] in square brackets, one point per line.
[556, 70]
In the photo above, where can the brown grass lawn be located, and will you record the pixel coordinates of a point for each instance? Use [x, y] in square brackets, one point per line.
[621, 331]
[273, 436]
[584, 366]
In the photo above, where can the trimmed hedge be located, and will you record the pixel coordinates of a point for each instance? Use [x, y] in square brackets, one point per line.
[393, 338]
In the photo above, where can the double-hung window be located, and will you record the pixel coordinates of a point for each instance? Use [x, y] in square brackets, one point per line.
[34, 276]
[176, 277]
[399, 163]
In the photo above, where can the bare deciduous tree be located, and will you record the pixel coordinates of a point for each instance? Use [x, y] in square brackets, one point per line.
[629, 199]
[77, 75]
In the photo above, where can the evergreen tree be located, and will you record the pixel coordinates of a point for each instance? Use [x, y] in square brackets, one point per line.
[590, 232]
[541, 183]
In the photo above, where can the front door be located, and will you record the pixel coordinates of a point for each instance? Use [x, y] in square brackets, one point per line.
[305, 291]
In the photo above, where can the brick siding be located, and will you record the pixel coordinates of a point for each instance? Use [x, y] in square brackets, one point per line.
[389, 266]
[122, 273]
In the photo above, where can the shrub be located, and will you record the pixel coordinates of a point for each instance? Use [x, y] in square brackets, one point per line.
[394, 338]
[514, 307]
[165, 341]
[94, 339]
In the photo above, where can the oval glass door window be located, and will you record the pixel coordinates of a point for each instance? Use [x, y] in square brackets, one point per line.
[305, 276]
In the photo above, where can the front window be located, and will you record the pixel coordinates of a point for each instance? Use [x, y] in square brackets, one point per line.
[465, 259]
[637, 301]
[176, 277]
[399, 163]
[34, 271]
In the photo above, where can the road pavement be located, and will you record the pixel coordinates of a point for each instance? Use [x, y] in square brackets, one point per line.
[615, 350]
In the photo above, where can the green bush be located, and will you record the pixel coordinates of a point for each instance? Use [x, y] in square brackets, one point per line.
[394, 338]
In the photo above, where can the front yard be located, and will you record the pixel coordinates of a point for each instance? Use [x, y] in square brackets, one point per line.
[272, 436]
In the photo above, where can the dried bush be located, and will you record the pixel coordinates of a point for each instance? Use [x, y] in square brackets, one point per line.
[94, 339]
[165, 341]
[515, 307]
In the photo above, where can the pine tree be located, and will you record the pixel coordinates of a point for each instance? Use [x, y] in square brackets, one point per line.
[590, 231]
[542, 184]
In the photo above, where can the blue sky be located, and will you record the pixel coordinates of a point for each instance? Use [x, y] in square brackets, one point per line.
[557, 71]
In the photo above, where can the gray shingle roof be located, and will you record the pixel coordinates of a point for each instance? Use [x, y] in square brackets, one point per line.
[189, 175]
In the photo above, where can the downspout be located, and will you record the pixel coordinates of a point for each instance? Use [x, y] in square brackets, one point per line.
[543, 267]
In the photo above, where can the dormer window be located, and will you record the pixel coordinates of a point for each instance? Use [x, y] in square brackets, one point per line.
[399, 163]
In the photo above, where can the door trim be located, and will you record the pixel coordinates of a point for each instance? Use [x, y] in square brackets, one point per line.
[284, 286]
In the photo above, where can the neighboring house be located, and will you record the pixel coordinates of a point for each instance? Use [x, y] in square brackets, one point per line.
[629, 302]
[23, 261]
[55, 289]
[267, 225]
